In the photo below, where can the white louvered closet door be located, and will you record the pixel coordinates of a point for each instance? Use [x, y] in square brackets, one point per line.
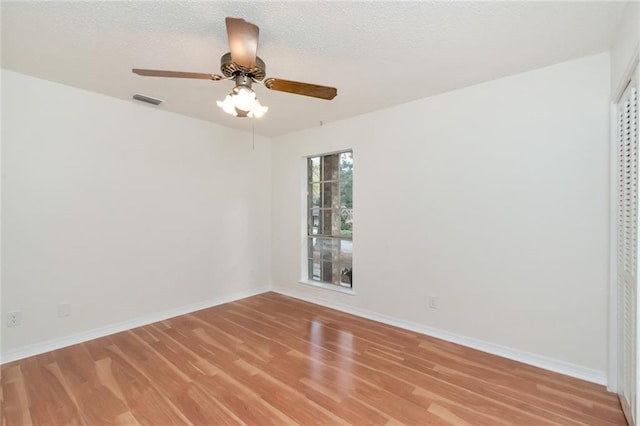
[628, 248]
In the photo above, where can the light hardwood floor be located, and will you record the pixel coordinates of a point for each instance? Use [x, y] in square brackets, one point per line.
[271, 359]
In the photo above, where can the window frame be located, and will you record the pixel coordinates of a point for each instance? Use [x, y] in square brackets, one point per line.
[316, 258]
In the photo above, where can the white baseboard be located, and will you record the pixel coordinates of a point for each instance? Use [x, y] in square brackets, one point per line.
[73, 339]
[540, 361]
[546, 363]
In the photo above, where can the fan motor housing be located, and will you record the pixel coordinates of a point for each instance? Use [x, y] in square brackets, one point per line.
[231, 69]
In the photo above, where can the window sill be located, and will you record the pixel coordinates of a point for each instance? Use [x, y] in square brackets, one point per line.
[326, 286]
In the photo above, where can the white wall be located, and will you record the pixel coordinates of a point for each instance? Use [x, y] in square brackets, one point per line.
[122, 210]
[494, 198]
[624, 50]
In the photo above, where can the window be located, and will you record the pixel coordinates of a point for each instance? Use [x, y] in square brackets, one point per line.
[330, 218]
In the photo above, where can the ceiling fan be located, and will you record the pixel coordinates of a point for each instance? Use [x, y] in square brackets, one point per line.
[244, 66]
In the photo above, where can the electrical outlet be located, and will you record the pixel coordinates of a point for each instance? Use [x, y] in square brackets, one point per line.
[433, 302]
[14, 318]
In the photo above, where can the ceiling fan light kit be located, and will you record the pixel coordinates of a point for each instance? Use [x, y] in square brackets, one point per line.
[242, 101]
[243, 66]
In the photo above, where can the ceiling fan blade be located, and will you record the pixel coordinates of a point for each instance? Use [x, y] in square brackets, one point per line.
[243, 41]
[176, 74]
[306, 89]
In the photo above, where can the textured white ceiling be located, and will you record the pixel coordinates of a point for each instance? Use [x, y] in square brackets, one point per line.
[378, 54]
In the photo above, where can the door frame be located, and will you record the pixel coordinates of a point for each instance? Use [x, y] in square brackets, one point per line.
[612, 361]
[632, 72]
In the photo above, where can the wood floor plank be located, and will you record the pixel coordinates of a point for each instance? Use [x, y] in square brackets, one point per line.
[17, 404]
[609, 412]
[404, 388]
[274, 360]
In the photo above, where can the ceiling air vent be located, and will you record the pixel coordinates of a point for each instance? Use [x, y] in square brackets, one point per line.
[147, 99]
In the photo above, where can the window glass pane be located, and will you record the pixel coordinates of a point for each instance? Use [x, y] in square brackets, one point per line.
[326, 249]
[314, 249]
[346, 276]
[315, 256]
[329, 249]
[314, 194]
[346, 179]
[327, 272]
[314, 270]
[346, 249]
[327, 222]
[346, 258]
[330, 260]
[330, 167]
[346, 223]
[335, 250]
[335, 277]
[315, 221]
[335, 223]
[314, 169]
[331, 197]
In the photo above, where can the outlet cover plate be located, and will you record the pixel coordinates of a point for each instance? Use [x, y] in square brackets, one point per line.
[433, 302]
[14, 318]
[64, 309]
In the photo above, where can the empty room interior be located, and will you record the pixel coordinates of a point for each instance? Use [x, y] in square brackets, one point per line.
[350, 213]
